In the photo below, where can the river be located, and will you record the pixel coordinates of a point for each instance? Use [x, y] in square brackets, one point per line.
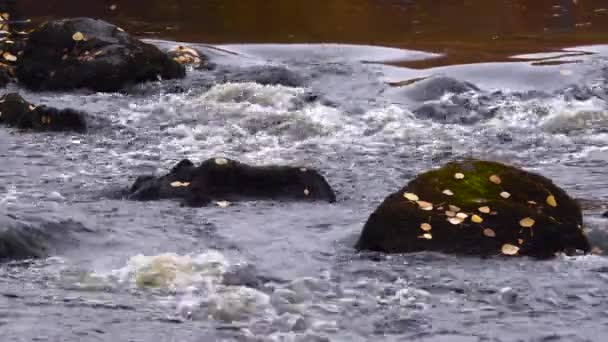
[268, 271]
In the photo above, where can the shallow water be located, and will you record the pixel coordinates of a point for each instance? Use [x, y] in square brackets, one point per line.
[262, 271]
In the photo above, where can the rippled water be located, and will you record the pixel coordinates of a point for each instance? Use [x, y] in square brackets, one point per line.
[267, 271]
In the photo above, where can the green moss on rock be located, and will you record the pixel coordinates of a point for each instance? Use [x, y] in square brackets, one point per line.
[480, 208]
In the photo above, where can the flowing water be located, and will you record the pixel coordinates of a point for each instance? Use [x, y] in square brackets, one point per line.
[267, 271]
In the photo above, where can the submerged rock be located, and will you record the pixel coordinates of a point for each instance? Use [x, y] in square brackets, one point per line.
[433, 88]
[17, 112]
[90, 53]
[267, 75]
[478, 208]
[227, 180]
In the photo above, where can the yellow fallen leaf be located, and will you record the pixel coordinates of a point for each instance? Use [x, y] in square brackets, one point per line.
[453, 208]
[426, 227]
[551, 201]
[495, 179]
[9, 56]
[476, 219]
[449, 213]
[458, 175]
[462, 215]
[505, 194]
[410, 196]
[78, 36]
[527, 222]
[426, 236]
[509, 249]
[425, 205]
[178, 184]
[455, 220]
[221, 161]
[485, 210]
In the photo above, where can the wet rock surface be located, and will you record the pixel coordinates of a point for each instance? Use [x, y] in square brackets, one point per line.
[189, 56]
[15, 111]
[267, 75]
[90, 53]
[224, 179]
[33, 238]
[477, 208]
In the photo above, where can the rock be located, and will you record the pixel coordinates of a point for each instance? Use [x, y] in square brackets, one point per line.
[477, 208]
[605, 214]
[433, 88]
[185, 55]
[17, 112]
[458, 110]
[90, 53]
[228, 180]
[267, 75]
[34, 237]
[18, 240]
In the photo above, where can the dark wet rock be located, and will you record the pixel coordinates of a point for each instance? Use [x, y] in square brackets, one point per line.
[267, 75]
[433, 88]
[20, 239]
[185, 55]
[493, 209]
[90, 53]
[17, 112]
[459, 110]
[224, 179]
[605, 214]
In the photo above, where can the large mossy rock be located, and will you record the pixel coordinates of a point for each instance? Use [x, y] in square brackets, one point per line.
[15, 111]
[223, 179]
[477, 208]
[90, 53]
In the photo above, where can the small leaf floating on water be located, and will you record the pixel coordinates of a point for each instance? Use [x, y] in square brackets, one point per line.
[448, 192]
[449, 213]
[485, 210]
[459, 175]
[489, 232]
[508, 249]
[527, 222]
[532, 202]
[426, 236]
[178, 184]
[410, 196]
[303, 169]
[78, 36]
[425, 205]
[113, 7]
[505, 194]
[223, 204]
[476, 219]
[426, 227]
[120, 29]
[306, 192]
[551, 201]
[454, 208]
[495, 179]
[520, 241]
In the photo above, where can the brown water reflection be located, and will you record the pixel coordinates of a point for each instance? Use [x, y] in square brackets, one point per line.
[465, 30]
